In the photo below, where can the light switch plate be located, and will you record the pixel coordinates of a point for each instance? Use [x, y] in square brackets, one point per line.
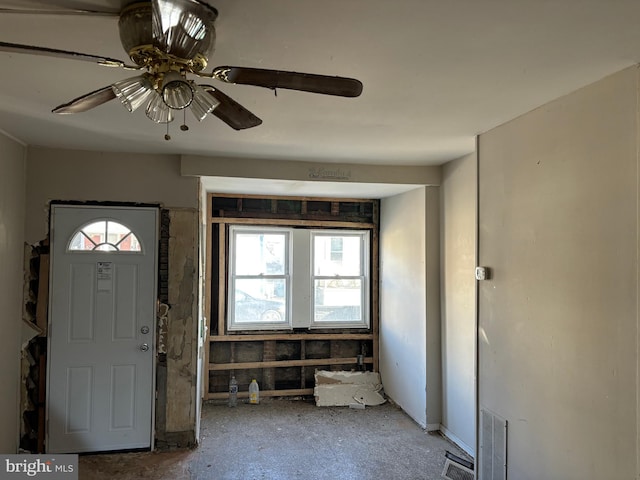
[482, 273]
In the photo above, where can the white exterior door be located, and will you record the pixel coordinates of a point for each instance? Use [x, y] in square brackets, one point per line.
[102, 306]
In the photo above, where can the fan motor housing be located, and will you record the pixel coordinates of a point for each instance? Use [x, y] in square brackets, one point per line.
[188, 43]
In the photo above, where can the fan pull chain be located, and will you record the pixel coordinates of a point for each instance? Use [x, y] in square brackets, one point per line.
[184, 126]
[166, 135]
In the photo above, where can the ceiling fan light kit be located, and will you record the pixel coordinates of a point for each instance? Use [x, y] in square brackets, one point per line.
[158, 111]
[171, 39]
[203, 103]
[134, 92]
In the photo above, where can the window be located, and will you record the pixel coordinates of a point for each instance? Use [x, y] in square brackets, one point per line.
[106, 236]
[284, 278]
[340, 280]
[259, 282]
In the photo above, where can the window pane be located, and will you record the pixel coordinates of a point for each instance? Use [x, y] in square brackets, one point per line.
[260, 253]
[81, 242]
[96, 232]
[338, 300]
[337, 255]
[122, 238]
[260, 300]
[105, 236]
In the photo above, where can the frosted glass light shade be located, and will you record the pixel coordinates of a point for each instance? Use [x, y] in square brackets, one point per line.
[203, 102]
[133, 92]
[158, 111]
[177, 91]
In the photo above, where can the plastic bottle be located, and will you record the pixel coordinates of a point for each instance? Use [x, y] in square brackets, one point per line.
[233, 391]
[254, 392]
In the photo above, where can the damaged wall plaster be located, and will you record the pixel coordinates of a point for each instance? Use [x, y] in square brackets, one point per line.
[182, 323]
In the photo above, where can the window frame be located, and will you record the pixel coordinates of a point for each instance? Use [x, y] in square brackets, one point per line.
[286, 323]
[364, 277]
[303, 305]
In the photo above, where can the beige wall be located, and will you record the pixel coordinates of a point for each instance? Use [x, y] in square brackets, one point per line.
[118, 177]
[12, 197]
[558, 325]
[409, 303]
[458, 257]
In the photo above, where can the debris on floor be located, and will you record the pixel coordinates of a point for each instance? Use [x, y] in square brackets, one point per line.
[353, 389]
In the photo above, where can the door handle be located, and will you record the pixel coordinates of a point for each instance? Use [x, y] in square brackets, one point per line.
[144, 347]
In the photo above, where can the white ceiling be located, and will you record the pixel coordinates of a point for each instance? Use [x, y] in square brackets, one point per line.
[435, 74]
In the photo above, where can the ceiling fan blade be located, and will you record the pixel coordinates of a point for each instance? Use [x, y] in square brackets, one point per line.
[87, 102]
[61, 7]
[43, 11]
[53, 52]
[231, 112]
[306, 82]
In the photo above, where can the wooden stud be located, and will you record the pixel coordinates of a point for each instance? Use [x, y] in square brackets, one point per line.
[291, 336]
[268, 355]
[375, 303]
[292, 222]
[264, 393]
[43, 294]
[42, 385]
[222, 276]
[207, 297]
[287, 363]
[303, 356]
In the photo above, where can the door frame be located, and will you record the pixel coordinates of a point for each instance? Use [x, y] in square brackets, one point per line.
[108, 205]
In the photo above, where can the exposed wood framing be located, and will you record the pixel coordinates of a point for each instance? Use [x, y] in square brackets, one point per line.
[292, 336]
[222, 276]
[281, 222]
[207, 305]
[375, 293]
[43, 294]
[296, 392]
[287, 363]
[314, 348]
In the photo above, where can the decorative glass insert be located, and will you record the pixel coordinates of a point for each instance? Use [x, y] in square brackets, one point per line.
[105, 236]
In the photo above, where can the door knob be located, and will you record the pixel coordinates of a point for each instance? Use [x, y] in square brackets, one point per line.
[144, 347]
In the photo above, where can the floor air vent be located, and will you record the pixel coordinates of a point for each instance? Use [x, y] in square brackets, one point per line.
[493, 447]
[456, 468]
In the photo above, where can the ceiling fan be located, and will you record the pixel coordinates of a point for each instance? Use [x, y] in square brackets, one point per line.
[168, 40]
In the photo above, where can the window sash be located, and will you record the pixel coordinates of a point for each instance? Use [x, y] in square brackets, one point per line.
[342, 316]
[259, 308]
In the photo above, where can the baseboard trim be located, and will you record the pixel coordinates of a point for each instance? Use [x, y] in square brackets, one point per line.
[455, 439]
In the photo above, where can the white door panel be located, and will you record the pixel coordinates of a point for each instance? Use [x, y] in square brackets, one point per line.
[102, 311]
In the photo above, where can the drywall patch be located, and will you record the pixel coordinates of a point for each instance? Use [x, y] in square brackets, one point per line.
[341, 389]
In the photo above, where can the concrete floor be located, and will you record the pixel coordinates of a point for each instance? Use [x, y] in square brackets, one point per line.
[286, 440]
